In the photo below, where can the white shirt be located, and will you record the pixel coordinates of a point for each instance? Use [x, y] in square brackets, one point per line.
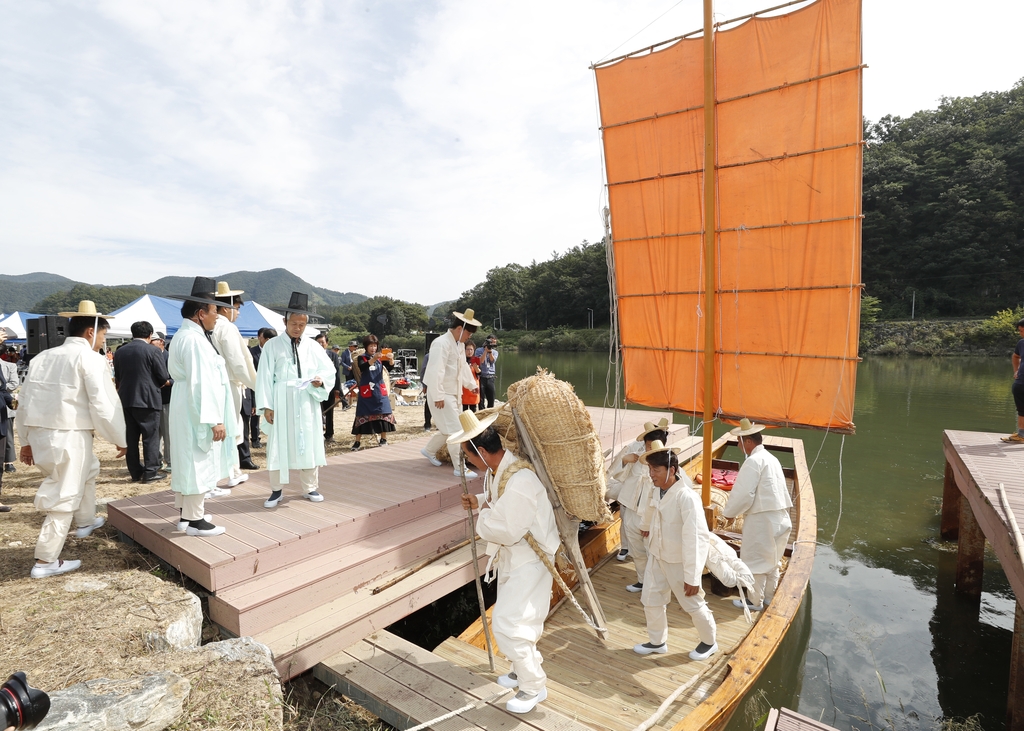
[229, 343]
[679, 531]
[760, 486]
[447, 371]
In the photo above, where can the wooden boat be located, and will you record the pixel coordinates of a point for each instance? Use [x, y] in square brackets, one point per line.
[771, 289]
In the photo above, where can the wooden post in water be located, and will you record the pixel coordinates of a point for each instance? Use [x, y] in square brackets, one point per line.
[710, 225]
[970, 553]
[949, 525]
[1015, 702]
[568, 530]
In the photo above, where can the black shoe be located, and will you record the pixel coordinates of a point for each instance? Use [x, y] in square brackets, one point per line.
[250, 465]
[9, 468]
[153, 478]
[356, 446]
[257, 445]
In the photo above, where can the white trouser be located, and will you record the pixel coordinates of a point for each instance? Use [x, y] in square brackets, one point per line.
[637, 547]
[765, 586]
[308, 479]
[661, 581]
[68, 490]
[447, 420]
[191, 506]
[524, 597]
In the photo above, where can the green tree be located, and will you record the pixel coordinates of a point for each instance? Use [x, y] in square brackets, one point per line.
[107, 299]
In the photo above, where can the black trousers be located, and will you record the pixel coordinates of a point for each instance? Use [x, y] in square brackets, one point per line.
[244, 455]
[487, 391]
[254, 429]
[328, 411]
[144, 423]
[3, 446]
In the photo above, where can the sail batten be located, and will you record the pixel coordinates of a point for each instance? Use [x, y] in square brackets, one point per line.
[786, 220]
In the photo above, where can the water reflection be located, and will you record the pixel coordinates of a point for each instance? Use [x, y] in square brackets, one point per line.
[901, 649]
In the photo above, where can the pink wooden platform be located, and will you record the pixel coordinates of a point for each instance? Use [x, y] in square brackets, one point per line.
[300, 577]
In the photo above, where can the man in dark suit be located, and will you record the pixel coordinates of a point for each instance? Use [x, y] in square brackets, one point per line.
[139, 374]
[6, 400]
[157, 341]
[262, 336]
[335, 395]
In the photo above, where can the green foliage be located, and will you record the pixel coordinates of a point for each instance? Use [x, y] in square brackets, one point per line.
[529, 343]
[944, 207]
[559, 292]
[20, 292]
[401, 317]
[870, 307]
[1000, 329]
[107, 299]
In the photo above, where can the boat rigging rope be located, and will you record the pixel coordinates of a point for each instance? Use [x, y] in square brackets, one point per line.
[468, 707]
[656, 716]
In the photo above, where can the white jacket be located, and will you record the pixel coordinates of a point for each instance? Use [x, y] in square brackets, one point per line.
[630, 484]
[233, 349]
[760, 486]
[69, 387]
[447, 371]
[679, 531]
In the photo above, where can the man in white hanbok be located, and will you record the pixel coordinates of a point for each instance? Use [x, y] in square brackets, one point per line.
[293, 379]
[629, 482]
[238, 360]
[68, 397]
[202, 411]
[444, 377]
[513, 506]
[678, 549]
[761, 496]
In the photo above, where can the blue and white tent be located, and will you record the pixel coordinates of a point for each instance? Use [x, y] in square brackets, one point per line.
[15, 322]
[164, 314]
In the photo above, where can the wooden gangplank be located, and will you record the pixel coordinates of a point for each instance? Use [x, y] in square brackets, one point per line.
[977, 463]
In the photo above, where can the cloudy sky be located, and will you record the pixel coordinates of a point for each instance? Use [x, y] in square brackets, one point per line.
[399, 148]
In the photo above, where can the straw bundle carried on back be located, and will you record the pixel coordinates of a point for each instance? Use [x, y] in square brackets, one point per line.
[562, 433]
[505, 425]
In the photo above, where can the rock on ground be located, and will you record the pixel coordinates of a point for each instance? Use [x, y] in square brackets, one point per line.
[150, 703]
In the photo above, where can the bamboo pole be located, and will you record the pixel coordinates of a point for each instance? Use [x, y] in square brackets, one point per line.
[476, 563]
[710, 223]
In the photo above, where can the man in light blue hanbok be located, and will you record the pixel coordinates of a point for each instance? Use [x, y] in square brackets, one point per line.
[293, 379]
[201, 412]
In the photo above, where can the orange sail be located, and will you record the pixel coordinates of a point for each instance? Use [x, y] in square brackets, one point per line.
[788, 209]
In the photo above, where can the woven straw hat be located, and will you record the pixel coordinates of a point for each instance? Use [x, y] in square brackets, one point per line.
[657, 446]
[467, 317]
[651, 426]
[745, 428]
[86, 308]
[225, 292]
[471, 427]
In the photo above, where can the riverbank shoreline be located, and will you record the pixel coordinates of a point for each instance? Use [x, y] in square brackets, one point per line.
[934, 338]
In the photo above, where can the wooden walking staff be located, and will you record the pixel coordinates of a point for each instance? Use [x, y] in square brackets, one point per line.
[568, 530]
[476, 562]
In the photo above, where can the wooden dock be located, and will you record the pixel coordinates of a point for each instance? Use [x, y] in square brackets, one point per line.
[312, 579]
[977, 463]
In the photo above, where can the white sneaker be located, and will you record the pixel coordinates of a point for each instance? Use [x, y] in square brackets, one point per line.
[238, 480]
[508, 681]
[703, 651]
[648, 649]
[183, 524]
[218, 492]
[87, 530]
[433, 459]
[738, 603]
[470, 474]
[42, 570]
[524, 702]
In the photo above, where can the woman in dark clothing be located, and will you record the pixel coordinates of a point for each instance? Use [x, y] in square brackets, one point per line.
[373, 409]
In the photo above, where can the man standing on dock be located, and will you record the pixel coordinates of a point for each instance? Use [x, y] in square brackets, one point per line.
[233, 348]
[519, 523]
[761, 496]
[444, 377]
[292, 381]
[67, 397]
[202, 412]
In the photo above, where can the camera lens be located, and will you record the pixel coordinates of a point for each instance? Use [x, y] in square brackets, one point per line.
[22, 705]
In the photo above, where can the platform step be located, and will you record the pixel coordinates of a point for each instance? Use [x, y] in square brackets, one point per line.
[405, 685]
[324, 630]
[270, 599]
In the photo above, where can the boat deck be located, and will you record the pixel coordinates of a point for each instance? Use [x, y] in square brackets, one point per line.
[977, 464]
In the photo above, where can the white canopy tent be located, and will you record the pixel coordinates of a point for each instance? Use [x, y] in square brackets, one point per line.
[164, 314]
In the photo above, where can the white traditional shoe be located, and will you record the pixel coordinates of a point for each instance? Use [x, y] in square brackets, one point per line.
[274, 500]
[218, 492]
[508, 681]
[470, 474]
[622, 555]
[433, 459]
[648, 649]
[87, 530]
[42, 570]
[183, 524]
[703, 651]
[204, 528]
[738, 603]
[234, 481]
[524, 702]
[314, 497]
[635, 588]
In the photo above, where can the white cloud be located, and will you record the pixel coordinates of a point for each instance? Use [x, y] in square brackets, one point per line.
[387, 147]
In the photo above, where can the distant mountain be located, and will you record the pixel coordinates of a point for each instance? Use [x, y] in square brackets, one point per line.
[272, 288]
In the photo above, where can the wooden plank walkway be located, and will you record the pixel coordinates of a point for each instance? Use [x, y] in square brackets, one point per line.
[973, 512]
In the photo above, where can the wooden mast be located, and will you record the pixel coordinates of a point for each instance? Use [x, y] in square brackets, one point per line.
[710, 224]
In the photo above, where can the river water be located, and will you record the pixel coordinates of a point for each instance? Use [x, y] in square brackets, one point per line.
[881, 640]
